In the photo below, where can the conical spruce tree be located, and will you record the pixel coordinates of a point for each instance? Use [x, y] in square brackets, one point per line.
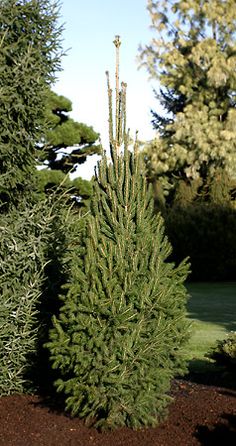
[116, 343]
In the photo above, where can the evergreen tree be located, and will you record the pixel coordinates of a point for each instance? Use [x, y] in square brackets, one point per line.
[191, 162]
[29, 58]
[117, 340]
[65, 144]
[63, 133]
[193, 57]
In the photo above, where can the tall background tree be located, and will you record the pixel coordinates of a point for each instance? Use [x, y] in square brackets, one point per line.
[32, 237]
[191, 163]
[193, 56]
[30, 52]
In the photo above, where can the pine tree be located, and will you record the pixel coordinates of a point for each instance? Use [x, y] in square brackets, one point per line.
[116, 343]
[65, 144]
[30, 51]
[63, 133]
[193, 57]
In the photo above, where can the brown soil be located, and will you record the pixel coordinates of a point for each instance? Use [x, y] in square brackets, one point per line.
[200, 415]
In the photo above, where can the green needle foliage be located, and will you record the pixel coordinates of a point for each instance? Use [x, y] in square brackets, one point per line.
[193, 57]
[192, 161]
[64, 133]
[23, 243]
[30, 50]
[224, 353]
[33, 267]
[116, 342]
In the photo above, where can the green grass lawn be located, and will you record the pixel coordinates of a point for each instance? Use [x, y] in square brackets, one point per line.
[212, 311]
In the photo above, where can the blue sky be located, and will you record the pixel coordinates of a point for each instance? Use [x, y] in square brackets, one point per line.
[90, 28]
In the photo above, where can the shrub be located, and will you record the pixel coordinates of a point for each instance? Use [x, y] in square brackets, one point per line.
[26, 242]
[116, 343]
[225, 351]
[64, 239]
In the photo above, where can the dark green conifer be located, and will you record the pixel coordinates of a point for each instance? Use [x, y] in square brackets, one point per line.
[30, 47]
[116, 342]
[30, 52]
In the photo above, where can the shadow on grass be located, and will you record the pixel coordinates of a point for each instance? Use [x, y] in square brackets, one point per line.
[208, 373]
[224, 432]
[214, 303]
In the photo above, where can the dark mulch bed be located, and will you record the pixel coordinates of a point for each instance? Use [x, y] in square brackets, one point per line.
[200, 415]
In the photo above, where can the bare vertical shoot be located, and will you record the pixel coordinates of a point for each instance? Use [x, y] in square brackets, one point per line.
[117, 44]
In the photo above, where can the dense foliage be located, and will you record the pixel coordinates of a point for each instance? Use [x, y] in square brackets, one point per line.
[225, 352]
[24, 238]
[200, 220]
[29, 58]
[116, 343]
[192, 54]
[191, 162]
